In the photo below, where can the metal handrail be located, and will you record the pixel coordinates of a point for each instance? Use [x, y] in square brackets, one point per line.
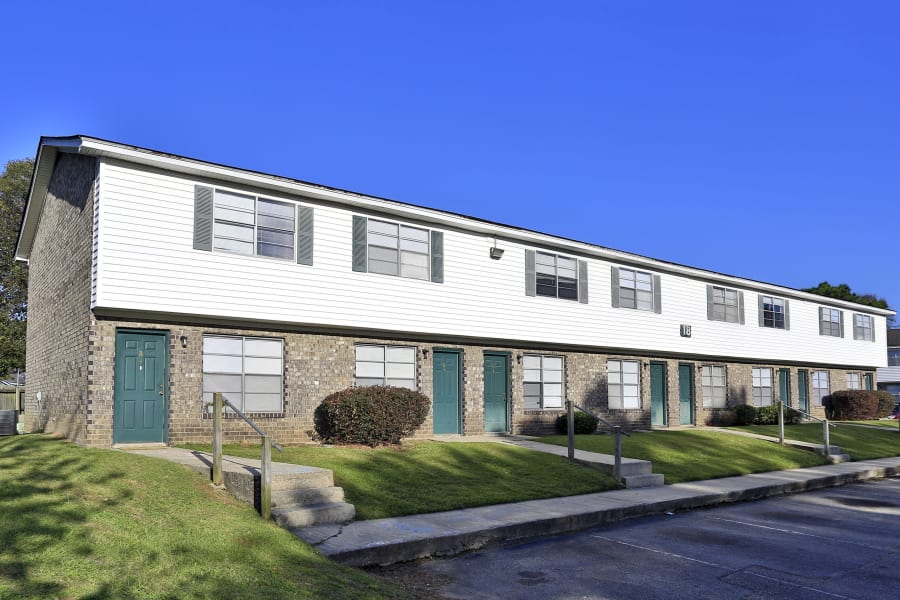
[602, 420]
[826, 437]
[617, 430]
[803, 412]
[249, 421]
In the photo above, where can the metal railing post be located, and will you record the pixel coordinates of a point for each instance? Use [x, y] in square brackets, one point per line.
[617, 472]
[781, 422]
[217, 439]
[570, 408]
[827, 438]
[265, 479]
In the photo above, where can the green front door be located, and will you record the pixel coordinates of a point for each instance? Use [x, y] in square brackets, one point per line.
[496, 392]
[446, 391]
[784, 386]
[803, 389]
[658, 394]
[686, 393]
[868, 378]
[140, 400]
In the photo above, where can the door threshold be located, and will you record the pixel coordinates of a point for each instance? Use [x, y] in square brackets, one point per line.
[139, 446]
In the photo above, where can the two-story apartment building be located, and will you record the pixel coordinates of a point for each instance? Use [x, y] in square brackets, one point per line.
[156, 280]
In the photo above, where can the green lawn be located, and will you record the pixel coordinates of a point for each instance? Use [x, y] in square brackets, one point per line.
[693, 455]
[79, 523]
[861, 443]
[892, 424]
[423, 477]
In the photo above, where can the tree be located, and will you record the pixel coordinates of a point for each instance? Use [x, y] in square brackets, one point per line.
[843, 292]
[14, 183]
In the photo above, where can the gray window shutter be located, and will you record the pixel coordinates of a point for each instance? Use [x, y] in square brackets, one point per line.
[787, 314]
[304, 235]
[821, 321]
[529, 273]
[583, 281]
[657, 295]
[709, 302]
[841, 321]
[437, 256]
[741, 307]
[360, 252]
[762, 321]
[614, 286]
[203, 218]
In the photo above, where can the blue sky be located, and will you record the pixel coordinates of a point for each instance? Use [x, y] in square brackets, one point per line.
[760, 139]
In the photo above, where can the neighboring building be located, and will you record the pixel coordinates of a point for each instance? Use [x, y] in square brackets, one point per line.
[156, 280]
[889, 377]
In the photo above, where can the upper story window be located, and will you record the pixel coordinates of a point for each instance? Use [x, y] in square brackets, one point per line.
[556, 276]
[543, 380]
[854, 381]
[229, 221]
[773, 312]
[397, 249]
[713, 377]
[624, 384]
[386, 365]
[894, 357]
[831, 322]
[863, 328]
[724, 304]
[248, 371]
[763, 393]
[821, 385]
[635, 289]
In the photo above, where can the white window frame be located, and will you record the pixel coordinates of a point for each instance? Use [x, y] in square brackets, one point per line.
[544, 374]
[221, 222]
[854, 380]
[407, 245]
[641, 289]
[819, 390]
[832, 327]
[770, 312]
[715, 395]
[863, 327]
[249, 365]
[763, 395]
[571, 275]
[394, 365]
[622, 394]
[720, 302]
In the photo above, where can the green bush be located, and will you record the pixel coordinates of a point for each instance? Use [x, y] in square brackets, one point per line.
[584, 423]
[766, 415]
[370, 415]
[721, 418]
[885, 404]
[852, 405]
[744, 414]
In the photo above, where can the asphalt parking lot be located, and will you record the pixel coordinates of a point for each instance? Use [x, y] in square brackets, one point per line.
[834, 543]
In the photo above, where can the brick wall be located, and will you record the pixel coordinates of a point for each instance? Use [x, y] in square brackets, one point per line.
[59, 296]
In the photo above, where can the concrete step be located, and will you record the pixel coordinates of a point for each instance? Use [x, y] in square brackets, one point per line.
[643, 481]
[307, 496]
[837, 458]
[314, 514]
[312, 477]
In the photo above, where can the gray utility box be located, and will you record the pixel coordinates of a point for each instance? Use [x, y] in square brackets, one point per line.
[7, 422]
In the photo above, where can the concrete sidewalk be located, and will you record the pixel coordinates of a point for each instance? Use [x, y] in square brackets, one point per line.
[386, 541]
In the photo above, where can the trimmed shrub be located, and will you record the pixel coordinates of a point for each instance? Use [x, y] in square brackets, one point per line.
[584, 423]
[722, 418]
[766, 415]
[744, 414]
[852, 405]
[885, 404]
[370, 415]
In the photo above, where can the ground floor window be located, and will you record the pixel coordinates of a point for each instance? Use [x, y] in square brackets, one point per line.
[248, 371]
[386, 365]
[821, 386]
[543, 381]
[854, 381]
[623, 377]
[762, 386]
[713, 386]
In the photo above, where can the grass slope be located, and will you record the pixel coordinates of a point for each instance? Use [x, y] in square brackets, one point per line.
[423, 477]
[694, 455]
[861, 443]
[79, 523]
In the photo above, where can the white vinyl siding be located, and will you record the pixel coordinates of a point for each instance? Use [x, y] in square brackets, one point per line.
[386, 365]
[248, 371]
[713, 377]
[248, 224]
[821, 386]
[556, 276]
[763, 391]
[543, 381]
[624, 384]
[862, 328]
[854, 381]
[396, 249]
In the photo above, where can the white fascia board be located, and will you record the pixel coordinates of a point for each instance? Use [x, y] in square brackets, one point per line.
[362, 202]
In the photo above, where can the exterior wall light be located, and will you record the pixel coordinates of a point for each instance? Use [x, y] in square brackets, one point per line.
[496, 253]
[183, 339]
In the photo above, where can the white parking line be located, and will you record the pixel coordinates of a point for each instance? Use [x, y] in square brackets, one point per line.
[802, 533]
